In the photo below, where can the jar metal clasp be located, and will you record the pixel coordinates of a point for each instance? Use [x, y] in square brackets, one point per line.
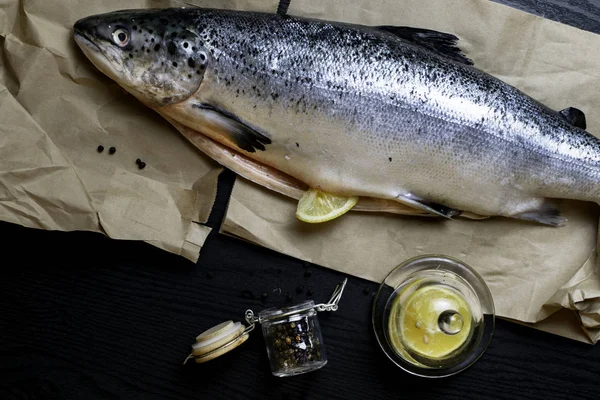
[331, 305]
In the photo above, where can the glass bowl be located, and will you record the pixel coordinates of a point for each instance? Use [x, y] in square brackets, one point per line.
[433, 316]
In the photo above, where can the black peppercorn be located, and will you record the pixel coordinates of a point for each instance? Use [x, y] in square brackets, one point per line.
[100, 149]
[366, 291]
[138, 161]
[209, 275]
[300, 289]
[142, 165]
[307, 274]
[309, 292]
[112, 150]
[264, 295]
[289, 297]
[293, 344]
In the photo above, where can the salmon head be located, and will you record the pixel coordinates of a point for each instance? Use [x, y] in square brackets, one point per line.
[153, 54]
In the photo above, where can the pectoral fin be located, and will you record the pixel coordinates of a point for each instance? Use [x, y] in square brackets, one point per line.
[244, 136]
[437, 209]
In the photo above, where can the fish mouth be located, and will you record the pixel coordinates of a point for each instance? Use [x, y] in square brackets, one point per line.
[82, 40]
[102, 58]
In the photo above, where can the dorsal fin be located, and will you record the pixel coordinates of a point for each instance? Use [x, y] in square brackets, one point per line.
[574, 116]
[438, 42]
[283, 6]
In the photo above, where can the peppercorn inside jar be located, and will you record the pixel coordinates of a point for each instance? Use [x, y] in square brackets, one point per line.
[293, 339]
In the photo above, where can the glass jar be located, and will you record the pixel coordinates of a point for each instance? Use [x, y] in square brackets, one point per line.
[292, 336]
[433, 316]
[293, 339]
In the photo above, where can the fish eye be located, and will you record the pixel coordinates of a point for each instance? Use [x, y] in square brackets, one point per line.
[120, 37]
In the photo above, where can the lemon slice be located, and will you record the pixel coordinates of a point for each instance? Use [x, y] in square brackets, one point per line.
[419, 322]
[316, 206]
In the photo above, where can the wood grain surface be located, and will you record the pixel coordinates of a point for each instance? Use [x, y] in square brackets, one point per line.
[583, 14]
[86, 317]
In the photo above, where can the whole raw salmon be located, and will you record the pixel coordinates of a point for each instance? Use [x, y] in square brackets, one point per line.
[393, 114]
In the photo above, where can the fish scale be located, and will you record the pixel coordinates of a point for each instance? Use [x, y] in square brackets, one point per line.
[390, 113]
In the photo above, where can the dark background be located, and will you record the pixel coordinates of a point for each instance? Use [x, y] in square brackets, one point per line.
[86, 317]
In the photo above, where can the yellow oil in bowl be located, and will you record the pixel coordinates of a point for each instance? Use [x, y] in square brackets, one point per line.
[433, 322]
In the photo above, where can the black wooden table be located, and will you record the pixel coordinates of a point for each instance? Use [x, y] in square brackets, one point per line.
[86, 317]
